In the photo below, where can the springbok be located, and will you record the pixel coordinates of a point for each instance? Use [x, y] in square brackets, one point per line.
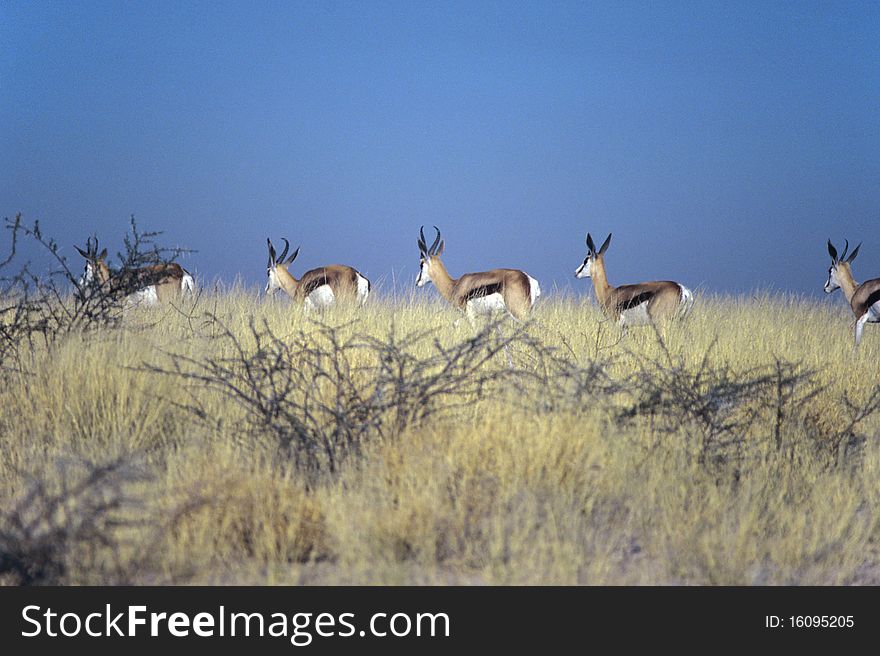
[633, 305]
[150, 285]
[480, 293]
[318, 288]
[864, 299]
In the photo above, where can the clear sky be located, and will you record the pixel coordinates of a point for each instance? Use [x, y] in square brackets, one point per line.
[721, 142]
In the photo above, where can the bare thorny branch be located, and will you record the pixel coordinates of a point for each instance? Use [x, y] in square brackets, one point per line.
[726, 414]
[49, 528]
[321, 392]
[39, 309]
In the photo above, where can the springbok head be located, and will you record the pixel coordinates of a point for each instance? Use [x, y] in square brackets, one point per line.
[275, 263]
[840, 266]
[585, 270]
[96, 270]
[428, 257]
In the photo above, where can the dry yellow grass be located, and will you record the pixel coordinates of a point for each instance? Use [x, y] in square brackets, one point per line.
[494, 492]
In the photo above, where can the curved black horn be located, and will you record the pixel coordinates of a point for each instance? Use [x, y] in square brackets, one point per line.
[271, 253]
[286, 248]
[845, 249]
[832, 251]
[855, 252]
[433, 249]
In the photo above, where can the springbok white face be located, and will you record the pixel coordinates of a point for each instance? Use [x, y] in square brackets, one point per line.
[88, 276]
[834, 271]
[273, 284]
[427, 256]
[585, 270]
[833, 281]
[424, 276]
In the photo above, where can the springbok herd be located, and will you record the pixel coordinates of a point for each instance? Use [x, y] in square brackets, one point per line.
[486, 292]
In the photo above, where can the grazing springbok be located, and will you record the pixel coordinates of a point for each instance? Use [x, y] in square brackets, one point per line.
[318, 288]
[480, 293]
[633, 305]
[864, 299]
[149, 285]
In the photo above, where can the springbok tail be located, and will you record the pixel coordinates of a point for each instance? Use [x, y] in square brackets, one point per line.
[187, 283]
[363, 289]
[687, 302]
[534, 289]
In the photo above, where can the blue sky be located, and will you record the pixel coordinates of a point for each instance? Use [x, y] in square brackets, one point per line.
[721, 142]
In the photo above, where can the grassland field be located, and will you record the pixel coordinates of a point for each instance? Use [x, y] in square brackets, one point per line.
[113, 472]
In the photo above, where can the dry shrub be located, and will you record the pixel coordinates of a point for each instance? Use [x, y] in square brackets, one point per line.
[70, 518]
[318, 394]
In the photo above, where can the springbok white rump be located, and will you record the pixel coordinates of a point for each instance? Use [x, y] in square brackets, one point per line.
[864, 299]
[482, 293]
[633, 305]
[318, 288]
[147, 286]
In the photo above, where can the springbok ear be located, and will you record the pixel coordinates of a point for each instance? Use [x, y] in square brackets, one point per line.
[591, 247]
[605, 245]
[852, 255]
[103, 254]
[82, 252]
[441, 247]
[832, 252]
[293, 257]
[271, 252]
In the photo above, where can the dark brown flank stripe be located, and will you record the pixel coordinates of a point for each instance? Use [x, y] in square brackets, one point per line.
[483, 290]
[313, 284]
[341, 279]
[634, 301]
[865, 296]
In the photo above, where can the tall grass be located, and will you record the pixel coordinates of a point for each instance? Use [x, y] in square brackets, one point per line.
[738, 447]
